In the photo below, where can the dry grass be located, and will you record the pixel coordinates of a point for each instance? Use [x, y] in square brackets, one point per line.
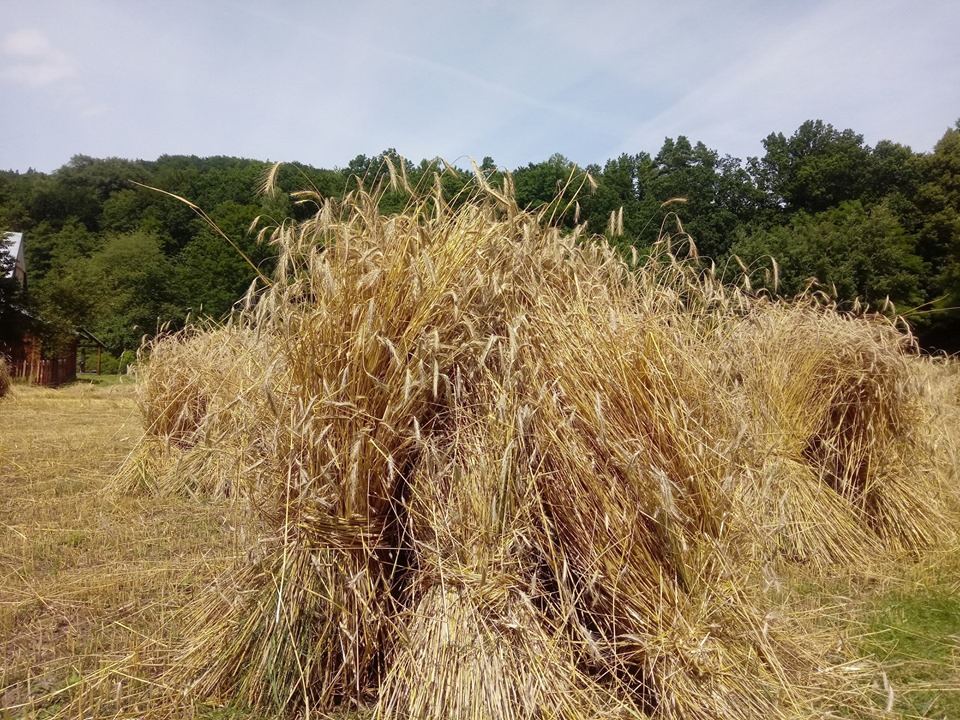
[90, 583]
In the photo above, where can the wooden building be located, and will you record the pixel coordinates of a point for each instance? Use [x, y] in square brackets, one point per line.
[29, 360]
[30, 363]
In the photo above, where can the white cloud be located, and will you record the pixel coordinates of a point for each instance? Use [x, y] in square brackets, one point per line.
[31, 59]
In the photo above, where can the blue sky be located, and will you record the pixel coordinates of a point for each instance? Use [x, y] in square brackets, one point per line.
[320, 82]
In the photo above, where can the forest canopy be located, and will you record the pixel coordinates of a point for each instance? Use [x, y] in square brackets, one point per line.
[877, 223]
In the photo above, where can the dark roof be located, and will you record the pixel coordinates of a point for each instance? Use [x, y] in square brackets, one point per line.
[87, 335]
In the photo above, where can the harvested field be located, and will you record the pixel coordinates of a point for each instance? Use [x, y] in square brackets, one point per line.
[90, 582]
[456, 463]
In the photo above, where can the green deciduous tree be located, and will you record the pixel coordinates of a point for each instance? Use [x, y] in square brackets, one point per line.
[211, 274]
[620, 184]
[131, 281]
[860, 252]
[816, 168]
[711, 195]
[551, 185]
[938, 199]
[66, 300]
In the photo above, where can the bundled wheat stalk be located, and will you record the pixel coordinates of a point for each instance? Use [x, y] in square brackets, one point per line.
[204, 402]
[837, 433]
[502, 475]
[5, 378]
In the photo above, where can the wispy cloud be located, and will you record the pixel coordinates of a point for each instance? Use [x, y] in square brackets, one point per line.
[513, 80]
[30, 58]
[832, 62]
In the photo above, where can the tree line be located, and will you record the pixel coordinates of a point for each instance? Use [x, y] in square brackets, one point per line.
[870, 223]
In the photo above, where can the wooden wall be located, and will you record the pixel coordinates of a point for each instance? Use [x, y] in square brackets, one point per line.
[28, 363]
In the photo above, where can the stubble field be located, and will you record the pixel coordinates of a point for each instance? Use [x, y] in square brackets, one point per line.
[90, 581]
